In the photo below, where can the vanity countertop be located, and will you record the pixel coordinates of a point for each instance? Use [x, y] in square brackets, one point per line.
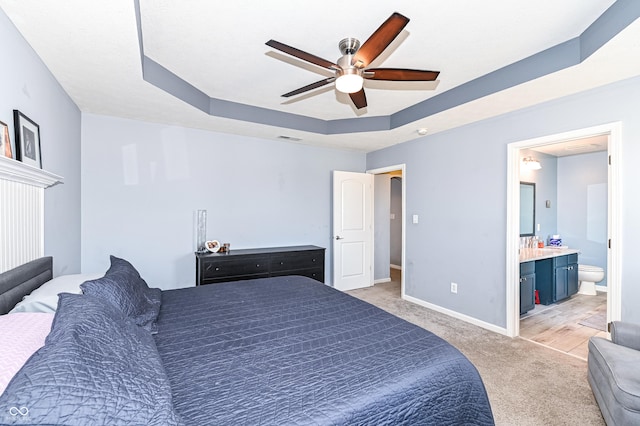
[529, 254]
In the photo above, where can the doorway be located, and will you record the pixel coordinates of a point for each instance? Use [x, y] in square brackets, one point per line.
[390, 244]
[567, 196]
[613, 304]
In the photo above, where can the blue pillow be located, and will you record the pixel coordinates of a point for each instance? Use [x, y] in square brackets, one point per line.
[96, 367]
[123, 287]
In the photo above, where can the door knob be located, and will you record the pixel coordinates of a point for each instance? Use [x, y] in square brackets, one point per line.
[338, 237]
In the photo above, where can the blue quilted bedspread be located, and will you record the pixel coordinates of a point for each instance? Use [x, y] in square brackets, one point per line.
[290, 350]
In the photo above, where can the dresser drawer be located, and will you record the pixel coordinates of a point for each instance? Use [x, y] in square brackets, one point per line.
[315, 273]
[219, 268]
[296, 261]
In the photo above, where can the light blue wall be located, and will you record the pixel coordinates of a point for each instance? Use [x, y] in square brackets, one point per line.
[27, 85]
[396, 222]
[582, 206]
[382, 229]
[461, 201]
[546, 189]
[142, 182]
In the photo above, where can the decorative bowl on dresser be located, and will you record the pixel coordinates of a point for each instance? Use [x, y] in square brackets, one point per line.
[246, 264]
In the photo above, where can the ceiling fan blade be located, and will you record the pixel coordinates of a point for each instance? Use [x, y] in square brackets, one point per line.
[379, 40]
[302, 55]
[400, 74]
[311, 86]
[359, 99]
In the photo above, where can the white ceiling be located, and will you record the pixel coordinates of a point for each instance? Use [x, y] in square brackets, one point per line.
[576, 146]
[92, 48]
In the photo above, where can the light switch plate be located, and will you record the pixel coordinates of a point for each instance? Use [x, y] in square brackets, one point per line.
[415, 218]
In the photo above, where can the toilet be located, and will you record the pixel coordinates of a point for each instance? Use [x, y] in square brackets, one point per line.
[588, 276]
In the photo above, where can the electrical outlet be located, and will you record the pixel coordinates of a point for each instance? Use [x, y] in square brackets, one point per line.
[454, 288]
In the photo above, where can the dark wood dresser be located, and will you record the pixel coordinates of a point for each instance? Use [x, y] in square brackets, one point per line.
[246, 264]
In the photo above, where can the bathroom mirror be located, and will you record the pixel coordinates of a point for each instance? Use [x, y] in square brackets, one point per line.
[527, 209]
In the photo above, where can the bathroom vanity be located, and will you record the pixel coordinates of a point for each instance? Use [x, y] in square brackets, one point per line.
[527, 286]
[551, 271]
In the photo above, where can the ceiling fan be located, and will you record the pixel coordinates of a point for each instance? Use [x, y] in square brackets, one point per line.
[351, 68]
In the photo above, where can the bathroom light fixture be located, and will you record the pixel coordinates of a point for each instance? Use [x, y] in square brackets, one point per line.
[531, 163]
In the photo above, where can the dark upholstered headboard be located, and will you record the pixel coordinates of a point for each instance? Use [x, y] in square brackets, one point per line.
[18, 282]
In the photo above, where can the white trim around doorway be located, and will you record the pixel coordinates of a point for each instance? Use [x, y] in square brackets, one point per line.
[614, 255]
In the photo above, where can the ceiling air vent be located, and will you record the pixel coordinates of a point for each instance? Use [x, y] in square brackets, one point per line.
[289, 138]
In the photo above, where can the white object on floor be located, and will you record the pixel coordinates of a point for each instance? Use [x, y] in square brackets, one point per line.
[588, 276]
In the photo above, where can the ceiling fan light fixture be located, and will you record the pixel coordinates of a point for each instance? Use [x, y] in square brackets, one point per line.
[351, 68]
[349, 83]
[349, 78]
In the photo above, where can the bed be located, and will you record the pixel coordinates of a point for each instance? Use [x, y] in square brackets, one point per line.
[272, 351]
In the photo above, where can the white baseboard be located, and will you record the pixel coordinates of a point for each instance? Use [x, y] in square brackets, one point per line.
[458, 315]
[396, 266]
[382, 280]
[602, 288]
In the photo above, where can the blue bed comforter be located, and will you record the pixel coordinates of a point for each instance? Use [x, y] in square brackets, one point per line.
[290, 350]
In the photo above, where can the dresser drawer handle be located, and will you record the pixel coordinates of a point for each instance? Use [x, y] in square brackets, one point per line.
[258, 265]
[217, 268]
[282, 263]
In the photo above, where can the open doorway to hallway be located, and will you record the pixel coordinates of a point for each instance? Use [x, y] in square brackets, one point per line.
[389, 223]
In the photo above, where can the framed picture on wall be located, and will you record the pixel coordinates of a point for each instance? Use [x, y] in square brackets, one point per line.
[6, 150]
[27, 139]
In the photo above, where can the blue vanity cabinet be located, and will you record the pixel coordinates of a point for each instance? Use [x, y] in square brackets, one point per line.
[560, 285]
[527, 286]
[557, 278]
[566, 276]
[572, 274]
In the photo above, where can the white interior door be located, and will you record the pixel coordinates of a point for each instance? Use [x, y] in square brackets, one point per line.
[352, 230]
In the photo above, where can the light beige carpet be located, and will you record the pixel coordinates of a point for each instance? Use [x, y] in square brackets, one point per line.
[527, 384]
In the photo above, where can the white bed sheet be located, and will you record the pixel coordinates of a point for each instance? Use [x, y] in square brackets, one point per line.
[45, 298]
